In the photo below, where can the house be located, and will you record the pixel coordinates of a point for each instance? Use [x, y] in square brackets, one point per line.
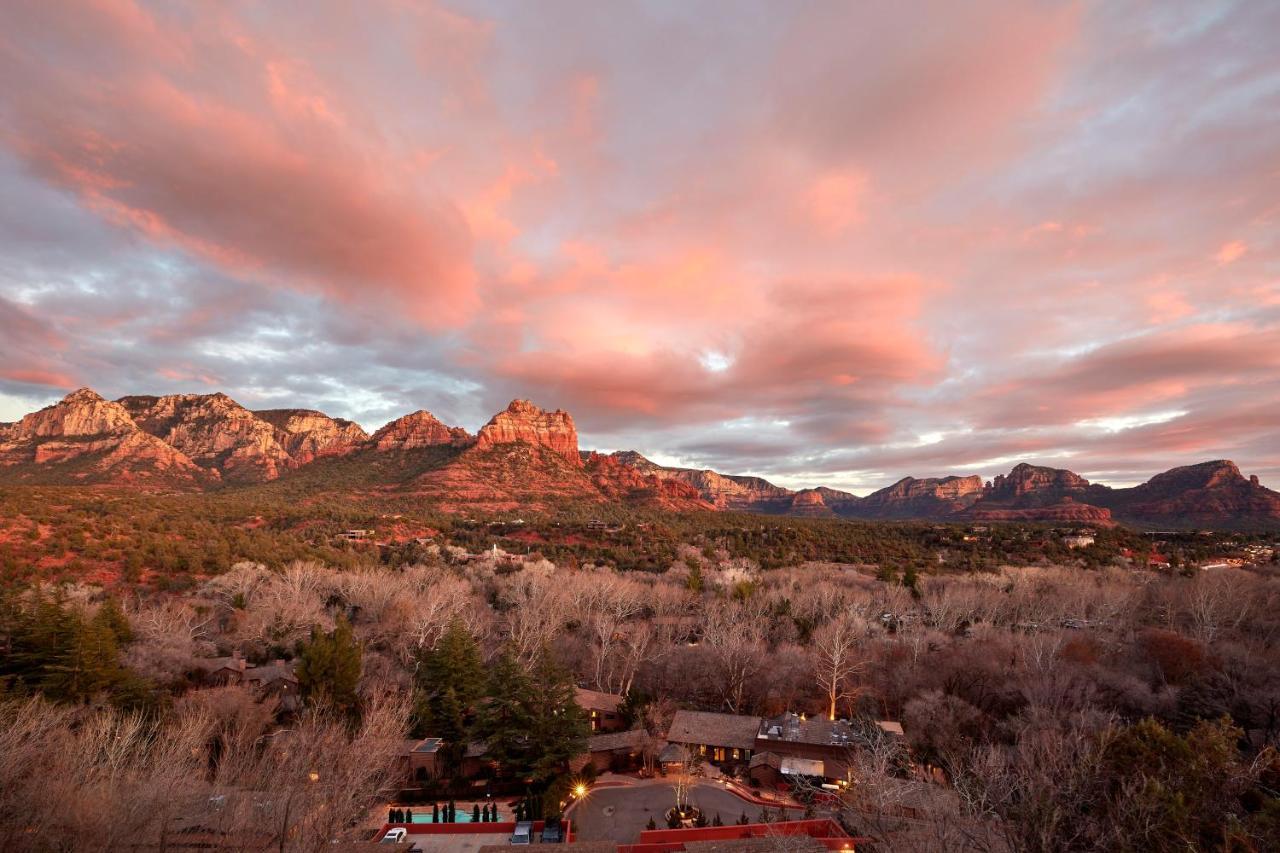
[617, 751]
[224, 671]
[275, 679]
[355, 534]
[1078, 540]
[601, 709]
[725, 740]
[813, 747]
[423, 760]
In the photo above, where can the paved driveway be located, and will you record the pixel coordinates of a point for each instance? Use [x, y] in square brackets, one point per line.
[621, 814]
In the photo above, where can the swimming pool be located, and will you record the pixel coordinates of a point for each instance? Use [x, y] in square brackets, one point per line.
[464, 814]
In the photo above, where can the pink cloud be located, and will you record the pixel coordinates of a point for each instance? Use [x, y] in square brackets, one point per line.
[1230, 252]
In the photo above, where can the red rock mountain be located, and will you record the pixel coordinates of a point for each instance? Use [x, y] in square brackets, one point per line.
[524, 422]
[1207, 493]
[215, 432]
[528, 457]
[86, 439]
[306, 434]
[1028, 485]
[417, 430]
[723, 491]
[932, 497]
[1065, 510]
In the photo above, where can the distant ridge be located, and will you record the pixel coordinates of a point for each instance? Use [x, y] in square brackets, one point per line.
[526, 456]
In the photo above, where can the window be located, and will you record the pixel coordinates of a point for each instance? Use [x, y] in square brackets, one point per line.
[735, 755]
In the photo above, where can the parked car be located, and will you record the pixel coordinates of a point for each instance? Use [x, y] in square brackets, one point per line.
[395, 836]
[523, 833]
[552, 832]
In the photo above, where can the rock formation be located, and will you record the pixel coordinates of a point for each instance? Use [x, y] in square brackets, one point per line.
[723, 491]
[306, 434]
[416, 430]
[86, 439]
[626, 483]
[526, 456]
[933, 497]
[523, 422]
[1065, 510]
[1036, 484]
[215, 432]
[809, 503]
[1212, 493]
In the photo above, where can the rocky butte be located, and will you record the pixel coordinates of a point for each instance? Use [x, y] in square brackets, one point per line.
[524, 422]
[417, 430]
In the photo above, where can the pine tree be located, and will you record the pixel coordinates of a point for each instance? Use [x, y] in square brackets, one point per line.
[652, 824]
[694, 581]
[329, 668]
[110, 616]
[505, 721]
[475, 813]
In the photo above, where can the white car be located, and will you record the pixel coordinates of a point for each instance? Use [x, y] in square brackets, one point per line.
[395, 836]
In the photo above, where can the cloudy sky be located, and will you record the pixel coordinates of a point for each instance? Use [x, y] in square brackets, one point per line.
[824, 242]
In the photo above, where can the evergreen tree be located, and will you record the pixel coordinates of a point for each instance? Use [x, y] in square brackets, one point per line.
[329, 668]
[505, 721]
[448, 682]
[673, 819]
[694, 581]
[111, 617]
[652, 824]
[435, 812]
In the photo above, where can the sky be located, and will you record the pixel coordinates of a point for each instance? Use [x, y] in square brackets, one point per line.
[827, 243]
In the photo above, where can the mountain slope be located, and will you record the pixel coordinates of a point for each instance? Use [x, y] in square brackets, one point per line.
[86, 439]
[215, 432]
[306, 434]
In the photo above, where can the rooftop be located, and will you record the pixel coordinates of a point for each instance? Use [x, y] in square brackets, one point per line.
[594, 700]
[631, 739]
[814, 730]
[712, 729]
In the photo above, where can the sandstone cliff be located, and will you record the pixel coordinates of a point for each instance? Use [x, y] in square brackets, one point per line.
[84, 438]
[306, 434]
[523, 422]
[723, 491]
[932, 497]
[628, 484]
[215, 431]
[1212, 493]
[416, 430]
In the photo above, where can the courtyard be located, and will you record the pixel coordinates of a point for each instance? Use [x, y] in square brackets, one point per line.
[621, 813]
